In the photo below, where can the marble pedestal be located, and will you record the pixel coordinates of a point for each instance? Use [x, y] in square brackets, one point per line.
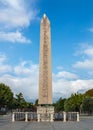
[45, 113]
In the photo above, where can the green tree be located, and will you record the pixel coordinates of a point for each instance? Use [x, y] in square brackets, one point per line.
[68, 105]
[14, 103]
[59, 105]
[87, 105]
[30, 106]
[36, 102]
[20, 102]
[6, 95]
[74, 102]
[89, 93]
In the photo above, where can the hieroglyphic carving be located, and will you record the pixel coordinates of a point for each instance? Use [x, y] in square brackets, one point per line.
[45, 65]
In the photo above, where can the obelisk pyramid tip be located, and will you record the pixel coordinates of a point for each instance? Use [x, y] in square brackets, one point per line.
[44, 16]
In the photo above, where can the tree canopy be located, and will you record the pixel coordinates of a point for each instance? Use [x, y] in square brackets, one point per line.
[73, 103]
[7, 100]
[59, 105]
[6, 95]
[87, 105]
[89, 93]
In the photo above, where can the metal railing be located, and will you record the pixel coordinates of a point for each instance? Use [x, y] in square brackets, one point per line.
[66, 116]
[24, 116]
[32, 116]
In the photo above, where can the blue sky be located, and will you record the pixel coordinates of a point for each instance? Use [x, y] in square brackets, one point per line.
[72, 45]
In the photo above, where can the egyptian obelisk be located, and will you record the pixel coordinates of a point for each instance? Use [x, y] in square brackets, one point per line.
[45, 72]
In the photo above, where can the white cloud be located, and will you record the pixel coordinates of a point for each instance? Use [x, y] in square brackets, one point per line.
[25, 68]
[13, 37]
[4, 67]
[26, 80]
[14, 13]
[89, 51]
[86, 64]
[27, 85]
[90, 30]
[81, 84]
[86, 50]
[67, 75]
[2, 58]
[60, 68]
[64, 88]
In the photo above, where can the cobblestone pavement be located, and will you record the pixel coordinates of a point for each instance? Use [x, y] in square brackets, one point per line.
[86, 123]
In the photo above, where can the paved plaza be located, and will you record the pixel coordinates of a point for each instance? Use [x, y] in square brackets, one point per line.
[86, 123]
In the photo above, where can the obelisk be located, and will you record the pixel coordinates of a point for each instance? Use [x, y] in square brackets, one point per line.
[45, 73]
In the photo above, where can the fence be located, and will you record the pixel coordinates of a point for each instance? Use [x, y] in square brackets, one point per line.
[66, 116]
[24, 116]
[32, 116]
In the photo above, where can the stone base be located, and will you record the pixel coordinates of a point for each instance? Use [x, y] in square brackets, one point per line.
[45, 113]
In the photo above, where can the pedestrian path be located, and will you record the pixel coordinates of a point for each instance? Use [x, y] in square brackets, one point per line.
[85, 123]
